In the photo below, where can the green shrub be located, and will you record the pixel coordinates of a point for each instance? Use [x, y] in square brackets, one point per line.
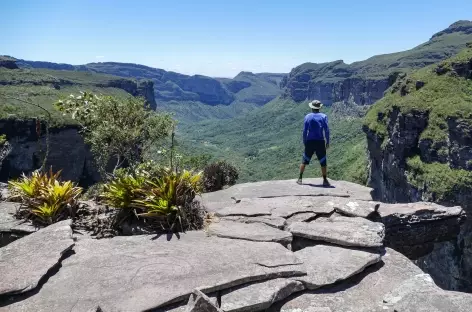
[218, 175]
[44, 198]
[115, 128]
[160, 196]
[3, 139]
[440, 181]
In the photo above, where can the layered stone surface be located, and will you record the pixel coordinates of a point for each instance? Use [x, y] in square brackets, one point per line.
[258, 232]
[345, 232]
[242, 261]
[329, 264]
[138, 273]
[24, 262]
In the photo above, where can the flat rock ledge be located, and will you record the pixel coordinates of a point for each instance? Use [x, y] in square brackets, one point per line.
[257, 232]
[258, 296]
[24, 262]
[282, 188]
[393, 214]
[276, 222]
[278, 206]
[139, 273]
[242, 261]
[345, 232]
[199, 302]
[420, 293]
[10, 224]
[329, 264]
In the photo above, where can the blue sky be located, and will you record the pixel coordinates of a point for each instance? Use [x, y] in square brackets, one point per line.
[219, 37]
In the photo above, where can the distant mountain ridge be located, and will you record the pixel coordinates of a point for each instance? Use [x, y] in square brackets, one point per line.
[365, 82]
[171, 86]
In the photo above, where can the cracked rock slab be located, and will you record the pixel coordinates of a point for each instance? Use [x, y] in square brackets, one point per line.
[292, 205]
[278, 207]
[137, 273]
[214, 201]
[199, 302]
[281, 188]
[9, 223]
[419, 293]
[276, 222]
[329, 264]
[357, 232]
[259, 296]
[300, 217]
[257, 232]
[25, 261]
[354, 208]
[360, 293]
[248, 207]
[393, 214]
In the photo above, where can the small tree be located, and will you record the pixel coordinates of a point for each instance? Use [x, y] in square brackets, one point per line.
[121, 129]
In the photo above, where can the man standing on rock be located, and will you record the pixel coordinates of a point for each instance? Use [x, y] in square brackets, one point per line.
[315, 125]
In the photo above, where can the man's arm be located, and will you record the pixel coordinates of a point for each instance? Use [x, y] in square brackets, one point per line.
[326, 131]
[305, 130]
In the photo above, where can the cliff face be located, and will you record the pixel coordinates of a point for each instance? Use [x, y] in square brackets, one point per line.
[366, 81]
[64, 75]
[334, 88]
[26, 149]
[8, 62]
[420, 149]
[141, 88]
[171, 86]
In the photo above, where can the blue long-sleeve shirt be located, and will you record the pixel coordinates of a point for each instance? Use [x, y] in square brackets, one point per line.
[314, 126]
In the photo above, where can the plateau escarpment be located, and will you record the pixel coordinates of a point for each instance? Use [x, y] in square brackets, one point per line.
[364, 82]
[420, 148]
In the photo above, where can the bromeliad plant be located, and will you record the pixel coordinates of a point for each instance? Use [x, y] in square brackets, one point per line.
[159, 196]
[45, 199]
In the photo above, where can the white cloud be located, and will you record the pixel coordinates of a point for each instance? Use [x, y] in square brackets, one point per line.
[99, 56]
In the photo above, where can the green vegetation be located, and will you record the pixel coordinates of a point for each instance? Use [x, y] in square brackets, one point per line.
[188, 112]
[444, 95]
[218, 175]
[261, 88]
[163, 197]
[266, 144]
[441, 46]
[45, 199]
[169, 86]
[190, 98]
[441, 181]
[117, 129]
[43, 87]
[153, 196]
[3, 139]
[441, 93]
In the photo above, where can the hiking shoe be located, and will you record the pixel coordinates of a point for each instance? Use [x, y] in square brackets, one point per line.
[326, 183]
[299, 181]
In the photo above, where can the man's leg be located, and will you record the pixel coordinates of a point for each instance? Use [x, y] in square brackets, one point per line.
[302, 169]
[321, 154]
[309, 150]
[324, 171]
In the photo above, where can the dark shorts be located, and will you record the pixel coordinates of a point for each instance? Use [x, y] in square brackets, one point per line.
[317, 147]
